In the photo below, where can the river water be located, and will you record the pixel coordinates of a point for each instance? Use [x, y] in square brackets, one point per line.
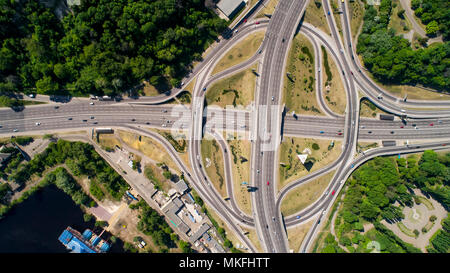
[35, 225]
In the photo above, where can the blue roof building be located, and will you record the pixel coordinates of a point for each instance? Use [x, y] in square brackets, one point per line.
[79, 243]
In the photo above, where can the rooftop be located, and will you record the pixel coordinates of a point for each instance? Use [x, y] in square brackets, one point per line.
[228, 7]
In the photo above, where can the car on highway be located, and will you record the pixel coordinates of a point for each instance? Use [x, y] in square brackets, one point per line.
[351, 72]
[148, 123]
[91, 103]
[95, 122]
[326, 193]
[236, 31]
[342, 181]
[257, 23]
[164, 125]
[402, 126]
[282, 40]
[392, 132]
[333, 193]
[416, 128]
[431, 124]
[321, 132]
[57, 107]
[439, 121]
[339, 134]
[245, 20]
[324, 211]
[267, 182]
[369, 132]
[273, 98]
[204, 88]
[69, 119]
[353, 165]
[133, 119]
[257, 171]
[298, 217]
[92, 117]
[328, 13]
[15, 130]
[38, 123]
[84, 120]
[362, 127]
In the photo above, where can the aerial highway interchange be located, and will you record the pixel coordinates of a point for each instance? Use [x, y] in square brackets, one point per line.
[267, 122]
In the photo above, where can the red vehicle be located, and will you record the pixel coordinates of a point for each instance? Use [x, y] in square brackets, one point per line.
[431, 124]
[245, 20]
[402, 126]
[267, 182]
[332, 193]
[339, 134]
[257, 23]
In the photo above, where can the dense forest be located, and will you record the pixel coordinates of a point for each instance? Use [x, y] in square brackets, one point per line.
[81, 159]
[435, 14]
[377, 185]
[391, 59]
[102, 46]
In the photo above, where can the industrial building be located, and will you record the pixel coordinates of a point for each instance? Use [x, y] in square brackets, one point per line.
[229, 8]
[88, 242]
[171, 209]
[199, 233]
[181, 186]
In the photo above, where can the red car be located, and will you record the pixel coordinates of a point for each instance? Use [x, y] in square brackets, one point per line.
[431, 124]
[245, 20]
[257, 23]
[332, 193]
[267, 182]
[339, 134]
[401, 126]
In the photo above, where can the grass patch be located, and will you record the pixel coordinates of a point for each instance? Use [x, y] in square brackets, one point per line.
[268, 9]
[405, 230]
[297, 234]
[149, 147]
[400, 25]
[364, 146]
[426, 202]
[240, 52]
[315, 16]
[238, 89]
[210, 149]
[337, 18]
[334, 92]
[154, 174]
[298, 91]
[356, 9]
[290, 166]
[108, 142]
[240, 163]
[369, 110]
[413, 92]
[304, 195]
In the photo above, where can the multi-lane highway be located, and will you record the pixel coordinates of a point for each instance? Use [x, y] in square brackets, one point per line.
[264, 123]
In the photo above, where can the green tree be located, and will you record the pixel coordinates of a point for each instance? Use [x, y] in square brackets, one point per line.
[432, 28]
